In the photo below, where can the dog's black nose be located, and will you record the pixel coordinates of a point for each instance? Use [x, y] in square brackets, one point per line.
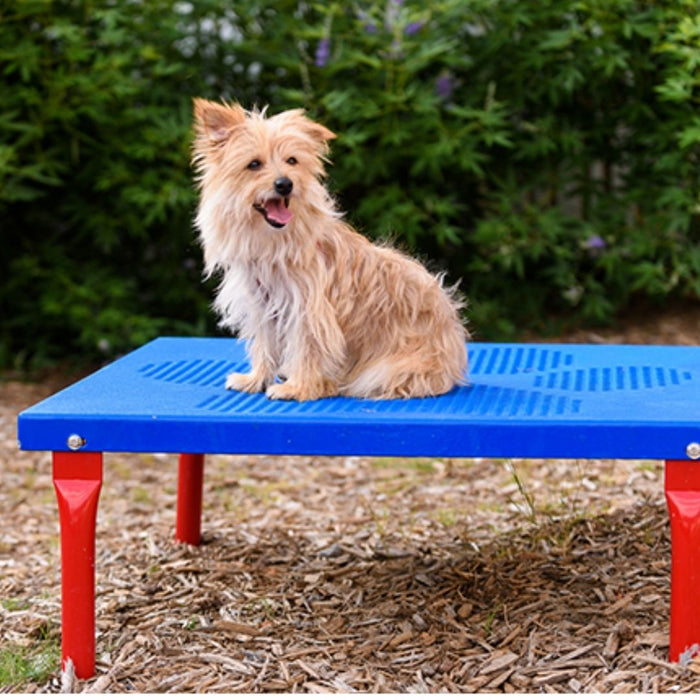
[283, 186]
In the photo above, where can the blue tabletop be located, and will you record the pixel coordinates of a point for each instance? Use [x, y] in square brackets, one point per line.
[567, 401]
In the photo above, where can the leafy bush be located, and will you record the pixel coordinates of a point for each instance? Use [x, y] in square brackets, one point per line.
[545, 152]
[95, 195]
[599, 197]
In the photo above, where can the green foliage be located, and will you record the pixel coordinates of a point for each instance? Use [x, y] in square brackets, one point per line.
[95, 194]
[545, 152]
[20, 665]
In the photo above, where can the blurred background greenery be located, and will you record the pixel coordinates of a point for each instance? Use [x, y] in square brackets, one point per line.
[546, 152]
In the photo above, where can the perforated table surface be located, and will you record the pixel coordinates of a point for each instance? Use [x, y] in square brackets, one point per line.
[564, 401]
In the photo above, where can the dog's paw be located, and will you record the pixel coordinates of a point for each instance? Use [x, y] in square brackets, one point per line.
[293, 391]
[284, 392]
[251, 383]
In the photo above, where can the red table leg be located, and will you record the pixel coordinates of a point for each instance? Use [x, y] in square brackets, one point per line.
[683, 497]
[77, 478]
[188, 525]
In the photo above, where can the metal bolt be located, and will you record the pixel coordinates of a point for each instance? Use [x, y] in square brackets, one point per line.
[75, 442]
[693, 450]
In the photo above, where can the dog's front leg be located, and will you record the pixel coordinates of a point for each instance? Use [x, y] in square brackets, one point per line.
[308, 389]
[262, 372]
[252, 382]
[315, 360]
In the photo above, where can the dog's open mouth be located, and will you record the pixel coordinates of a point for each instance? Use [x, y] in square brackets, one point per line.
[275, 211]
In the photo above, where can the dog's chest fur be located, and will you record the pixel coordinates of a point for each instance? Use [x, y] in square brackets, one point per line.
[253, 296]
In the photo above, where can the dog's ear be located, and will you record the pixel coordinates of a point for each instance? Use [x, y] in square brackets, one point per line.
[214, 122]
[318, 132]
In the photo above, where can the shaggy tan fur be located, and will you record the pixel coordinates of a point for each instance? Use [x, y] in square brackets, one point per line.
[320, 306]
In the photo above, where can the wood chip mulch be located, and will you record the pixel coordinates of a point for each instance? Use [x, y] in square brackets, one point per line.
[353, 575]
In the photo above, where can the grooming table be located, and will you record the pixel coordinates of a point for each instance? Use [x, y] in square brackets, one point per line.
[536, 401]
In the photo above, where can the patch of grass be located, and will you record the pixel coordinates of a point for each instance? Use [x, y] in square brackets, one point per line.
[527, 496]
[380, 517]
[392, 487]
[192, 623]
[491, 617]
[651, 467]
[139, 494]
[488, 507]
[265, 492]
[268, 608]
[420, 465]
[21, 665]
[400, 474]
[269, 491]
[14, 604]
[446, 516]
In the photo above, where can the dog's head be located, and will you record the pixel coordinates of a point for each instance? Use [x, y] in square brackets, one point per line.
[266, 168]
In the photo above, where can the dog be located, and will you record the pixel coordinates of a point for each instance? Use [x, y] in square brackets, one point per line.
[324, 311]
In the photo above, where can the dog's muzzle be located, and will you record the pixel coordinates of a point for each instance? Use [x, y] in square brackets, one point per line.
[275, 212]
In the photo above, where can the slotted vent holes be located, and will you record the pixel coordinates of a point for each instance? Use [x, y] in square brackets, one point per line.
[551, 371]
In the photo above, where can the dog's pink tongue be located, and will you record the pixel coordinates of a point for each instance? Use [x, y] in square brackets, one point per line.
[277, 211]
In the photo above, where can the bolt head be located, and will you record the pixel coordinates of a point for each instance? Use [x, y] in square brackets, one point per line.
[75, 442]
[693, 450]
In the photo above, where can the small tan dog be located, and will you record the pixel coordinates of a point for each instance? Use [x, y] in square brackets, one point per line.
[320, 306]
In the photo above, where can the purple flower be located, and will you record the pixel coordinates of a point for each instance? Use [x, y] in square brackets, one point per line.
[413, 28]
[444, 85]
[595, 242]
[368, 23]
[323, 53]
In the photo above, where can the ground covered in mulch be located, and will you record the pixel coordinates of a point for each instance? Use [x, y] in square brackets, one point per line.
[353, 574]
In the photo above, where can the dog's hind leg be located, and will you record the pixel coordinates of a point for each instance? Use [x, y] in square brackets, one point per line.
[406, 376]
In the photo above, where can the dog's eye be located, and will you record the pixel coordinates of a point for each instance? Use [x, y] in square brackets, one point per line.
[292, 160]
[254, 165]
